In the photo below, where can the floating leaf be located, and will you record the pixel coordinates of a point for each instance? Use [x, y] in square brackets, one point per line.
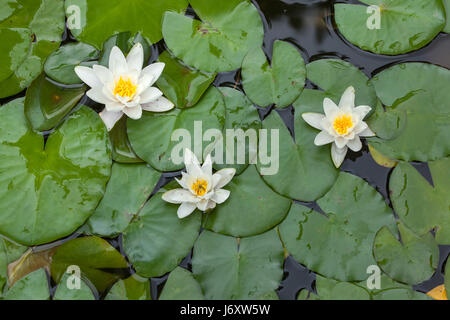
[181, 285]
[122, 151]
[251, 209]
[447, 13]
[181, 84]
[405, 25]
[438, 293]
[63, 292]
[46, 104]
[248, 268]
[280, 83]
[101, 19]
[14, 49]
[151, 136]
[125, 41]
[126, 193]
[61, 63]
[387, 124]
[338, 244]
[329, 289]
[447, 276]
[45, 21]
[63, 181]
[400, 294]
[34, 286]
[381, 159]
[171, 238]
[132, 288]
[305, 171]
[421, 206]
[95, 257]
[220, 41]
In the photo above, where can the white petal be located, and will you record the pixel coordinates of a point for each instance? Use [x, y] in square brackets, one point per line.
[178, 196]
[313, 119]
[192, 165]
[87, 75]
[114, 106]
[97, 95]
[340, 142]
[362, 111]
[222, 177]
[135, 58]
[202, 205]
[134, 112]
[185, 209]
[330, 108]
[211, 205]
[347, 102]
[360, 127]
[220, 196]
[154, 71]
[103, 74]
[207, 165]
[150, 94]
[338, 155]
[367, 133]
[117, 62]
[110, 118]
[159, 105]
[355, 144]
[323, 138]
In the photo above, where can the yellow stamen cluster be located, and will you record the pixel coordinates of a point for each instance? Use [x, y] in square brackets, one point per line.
[125, 88]
[342, 124]
[199, 187]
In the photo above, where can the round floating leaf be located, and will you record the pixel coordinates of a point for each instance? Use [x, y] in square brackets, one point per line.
[400, 294]
[46, 104]
[181, 285]
[220, 41]
[3, 265]
[280, 83]
[248, 268]
[329, 289]
[33, 286]
[95, 257]
[404, 25]
[132, 288]
[447, 13]
[122, 151]
[61, 63]
[94, 21]
[387, 125]
[63, 292]
[151, 136]
[171, 238]
[251, 209]
[45, 21]
[63, 180]
[447, 276]
[422, 206]
[14, 49]
[181, 84]
[127, 190]
[420, 92]
[338, 244]
[305, 171]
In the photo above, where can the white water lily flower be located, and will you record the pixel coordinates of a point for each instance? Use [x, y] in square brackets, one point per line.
[341, 125]
[124, 87]
[201, 188]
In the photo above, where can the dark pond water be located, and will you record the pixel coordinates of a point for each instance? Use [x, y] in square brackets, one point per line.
[309, 25]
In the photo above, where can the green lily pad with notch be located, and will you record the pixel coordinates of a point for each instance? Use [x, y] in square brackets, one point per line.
[125, 41]
[63, 180]
[127, 191]
[240, 115]
[151, 135]
[405, 25]
[247, 268]
[181, 285]
[251, 209]
[181, 84]
[46, 103]
[420, 92]
[33, 286]
[45, 21]
[228, 30]
[122, 151]
[60, 64]
[171, 238]
[305, 171]
[14, 48]
[132, 288]
[101, 19]
[387, 124]
[64, 293]
[280, 83]
[96, 258]
[411, 261]
[421, 206]
[338, 243]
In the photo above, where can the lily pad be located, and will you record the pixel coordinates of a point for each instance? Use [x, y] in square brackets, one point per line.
[132, 288]
[94, 21]
[338, 243]
[151, 136]
[248, 268]
[447, 276]
[220, 41]
[95, 257]
[305, 171]
[171, 238]
[64, 293]
[46, 103]
[181, 84]
[122, 151]
[329, 289]
[61, 63]
[45, 21]
[421, 206]
[15, 46]
[181, 285]
[279, 83]
[447, 13]
[33, 286]
[63, 180]
[251, 209]
[405, 25]
[126, 193]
